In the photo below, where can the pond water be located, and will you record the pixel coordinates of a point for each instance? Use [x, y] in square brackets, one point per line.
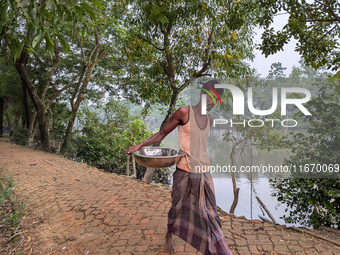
[250, 184]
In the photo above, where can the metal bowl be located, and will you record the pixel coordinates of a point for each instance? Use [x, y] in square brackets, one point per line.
[157, 157]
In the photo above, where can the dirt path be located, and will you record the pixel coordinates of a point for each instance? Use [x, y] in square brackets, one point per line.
[78, 209]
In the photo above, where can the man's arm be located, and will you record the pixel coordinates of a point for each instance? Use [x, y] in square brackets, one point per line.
[180, 116]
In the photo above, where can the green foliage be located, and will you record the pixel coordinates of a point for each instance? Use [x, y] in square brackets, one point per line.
[43, 28]
[314, 197]
[170, 43]
[7, 188]
[107, 132]
[314, 24]
[276, 70]
[6, 185]
[10, 87]
[9, 77]
[312, 202]
[30, 23]
[19, 135]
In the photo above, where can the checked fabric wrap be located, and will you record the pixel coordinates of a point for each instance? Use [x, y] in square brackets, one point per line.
[193, 214]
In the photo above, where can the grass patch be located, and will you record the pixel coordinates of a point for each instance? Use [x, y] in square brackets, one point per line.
[11, 212]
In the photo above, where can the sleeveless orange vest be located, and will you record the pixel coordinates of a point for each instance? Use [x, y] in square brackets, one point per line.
[192, 141]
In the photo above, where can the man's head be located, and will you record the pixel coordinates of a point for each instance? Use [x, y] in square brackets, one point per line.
[207, 86]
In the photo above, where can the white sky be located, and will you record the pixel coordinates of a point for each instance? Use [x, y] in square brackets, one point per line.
[288, 57]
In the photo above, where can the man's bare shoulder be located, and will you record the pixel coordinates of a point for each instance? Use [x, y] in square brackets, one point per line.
[183, 110]
[182, 114]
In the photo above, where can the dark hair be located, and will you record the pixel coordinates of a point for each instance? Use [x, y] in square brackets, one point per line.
[212, 83]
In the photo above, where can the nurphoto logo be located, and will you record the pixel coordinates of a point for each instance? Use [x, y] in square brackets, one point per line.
[238, 104]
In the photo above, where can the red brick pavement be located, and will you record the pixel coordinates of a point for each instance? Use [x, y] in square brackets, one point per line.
[78, 209]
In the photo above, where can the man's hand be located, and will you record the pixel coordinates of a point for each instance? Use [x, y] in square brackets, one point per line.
[132, 149]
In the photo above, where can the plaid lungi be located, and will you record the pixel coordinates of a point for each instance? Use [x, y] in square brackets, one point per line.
[193, 214]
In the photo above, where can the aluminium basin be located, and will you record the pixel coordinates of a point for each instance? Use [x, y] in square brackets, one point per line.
[157, 157]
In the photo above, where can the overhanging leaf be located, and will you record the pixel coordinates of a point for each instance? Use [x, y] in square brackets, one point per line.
[89, 10]
[64, 43]
[36, 40]
[97, 3]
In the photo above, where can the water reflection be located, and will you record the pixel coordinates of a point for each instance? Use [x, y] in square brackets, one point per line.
[251, 184]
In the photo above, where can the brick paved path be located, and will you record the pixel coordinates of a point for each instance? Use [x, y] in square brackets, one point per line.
[77, 209]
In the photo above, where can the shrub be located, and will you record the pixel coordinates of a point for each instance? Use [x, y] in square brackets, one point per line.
[104, 138]
[19, 135]
[7, 193]
[315, 201]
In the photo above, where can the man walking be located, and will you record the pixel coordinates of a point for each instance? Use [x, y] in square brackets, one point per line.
[193, 214]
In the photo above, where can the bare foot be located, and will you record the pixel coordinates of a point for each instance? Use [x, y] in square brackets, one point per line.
[169, 245]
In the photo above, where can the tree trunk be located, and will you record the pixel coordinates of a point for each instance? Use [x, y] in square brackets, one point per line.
[236, 192]
[44, 139]
[31, 130]
[26, 105]
[81, 96]
[235, 189]
[38, 104]
[69, 129]
[50, 127]
[1, 116]
[75, 107]
[23, 61]
[148, 174]
[8, 121]
[16, 122]
[171, 109]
